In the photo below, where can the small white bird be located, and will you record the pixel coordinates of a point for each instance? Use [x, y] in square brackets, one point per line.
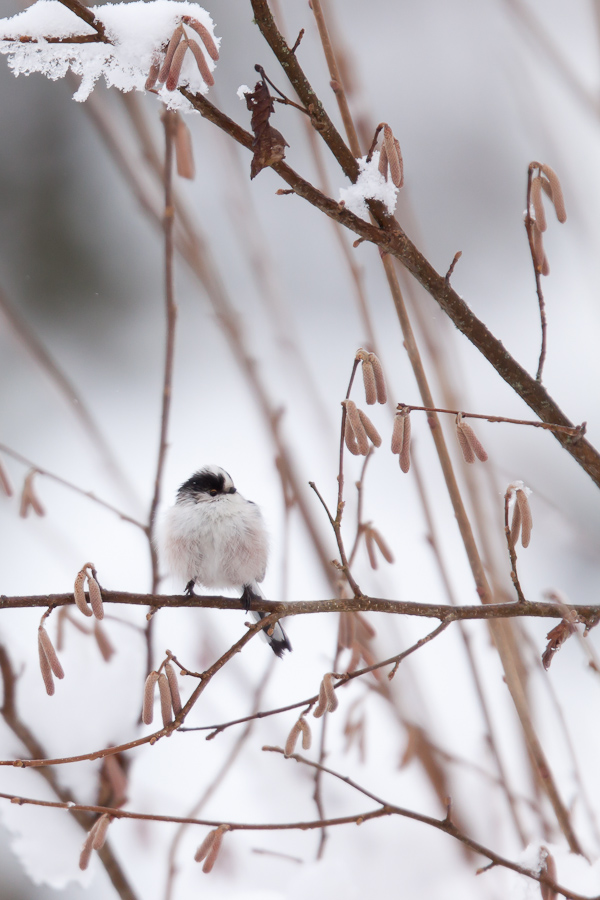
[215, 537]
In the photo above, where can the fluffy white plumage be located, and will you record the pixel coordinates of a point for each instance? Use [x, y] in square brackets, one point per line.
[216, 538]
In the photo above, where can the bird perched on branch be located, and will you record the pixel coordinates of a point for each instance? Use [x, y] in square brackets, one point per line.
[216, 538]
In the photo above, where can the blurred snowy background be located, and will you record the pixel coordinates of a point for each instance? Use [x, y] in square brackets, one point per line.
[474, 92]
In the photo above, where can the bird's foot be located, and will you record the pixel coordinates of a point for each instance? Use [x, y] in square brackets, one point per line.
[248, 596]
[189, 588]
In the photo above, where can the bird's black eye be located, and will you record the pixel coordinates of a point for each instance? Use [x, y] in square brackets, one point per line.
[213, 492]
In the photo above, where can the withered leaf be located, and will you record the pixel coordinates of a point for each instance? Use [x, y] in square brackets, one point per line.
[556, 638]
[269, 144]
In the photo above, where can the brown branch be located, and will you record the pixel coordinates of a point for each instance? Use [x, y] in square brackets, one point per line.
[446, 825]
[72, 487]
[20, 729]
[40, 761]
[537, 268]
[87, 16]
[289, 62]
[392, 239]
[565, 429]
[336, 78]
[74, 39]
[512, 553]
[169, 119]
[385, 809]
[589, 614]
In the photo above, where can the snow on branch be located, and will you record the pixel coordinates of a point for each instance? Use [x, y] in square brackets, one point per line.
[51, 39]
[370, 185]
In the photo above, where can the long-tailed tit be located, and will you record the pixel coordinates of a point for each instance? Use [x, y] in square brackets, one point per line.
[215, 537]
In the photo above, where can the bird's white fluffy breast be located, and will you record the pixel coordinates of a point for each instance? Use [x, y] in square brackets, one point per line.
[220, 542]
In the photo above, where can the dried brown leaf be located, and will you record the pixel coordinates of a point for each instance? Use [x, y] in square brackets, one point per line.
[268, 145]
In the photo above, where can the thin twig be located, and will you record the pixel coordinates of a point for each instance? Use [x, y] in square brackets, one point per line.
[565, 429]
[170, 124]
[392, 239]
[537, 268]
[35, 749]
[512, 553]
[72, 487]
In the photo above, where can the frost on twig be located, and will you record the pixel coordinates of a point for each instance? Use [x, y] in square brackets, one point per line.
[137, 36]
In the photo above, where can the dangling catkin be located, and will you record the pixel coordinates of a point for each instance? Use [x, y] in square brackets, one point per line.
[205, 36]
[174, 688]
[178, 34]
[370, 429]
[369, 382]
[164, 691]
[148, 705]
[379, 378]
[557, 194]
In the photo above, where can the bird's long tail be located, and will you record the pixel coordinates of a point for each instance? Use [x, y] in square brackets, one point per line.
[279, 640]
